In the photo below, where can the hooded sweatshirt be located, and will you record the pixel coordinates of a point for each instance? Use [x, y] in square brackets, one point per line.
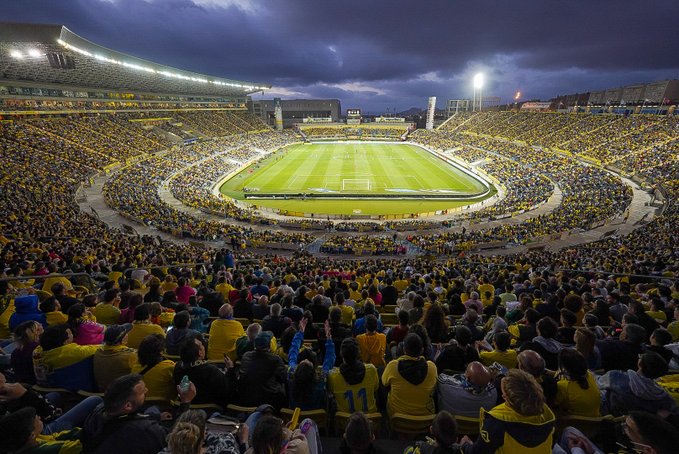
[354, 386]
[412, 381]
[26, 308]
[623, 392]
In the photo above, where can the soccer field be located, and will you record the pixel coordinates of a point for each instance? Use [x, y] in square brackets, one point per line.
[355, 178]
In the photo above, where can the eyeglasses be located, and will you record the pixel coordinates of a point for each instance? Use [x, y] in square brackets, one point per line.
[628, 444]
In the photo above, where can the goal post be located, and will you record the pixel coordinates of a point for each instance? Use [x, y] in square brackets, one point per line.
[356, 184]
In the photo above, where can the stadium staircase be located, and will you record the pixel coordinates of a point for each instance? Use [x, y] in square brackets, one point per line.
[315, 247]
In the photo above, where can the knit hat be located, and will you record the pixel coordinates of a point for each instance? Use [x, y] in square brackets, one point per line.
[16, 428]
[116, 333]
[263, 340]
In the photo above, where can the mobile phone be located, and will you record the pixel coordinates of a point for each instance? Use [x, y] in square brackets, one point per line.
[185, 384]
[295, 418]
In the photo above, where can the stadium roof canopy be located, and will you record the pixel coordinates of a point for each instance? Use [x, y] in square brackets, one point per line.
[52, 54]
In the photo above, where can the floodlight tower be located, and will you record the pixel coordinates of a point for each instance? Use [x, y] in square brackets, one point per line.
[478, 86]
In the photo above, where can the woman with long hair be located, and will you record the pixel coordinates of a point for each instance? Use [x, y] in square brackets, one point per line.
[577, 391]
[436, 323]
[156, 370]
[585, 343]
[85, 329]
[26, 336]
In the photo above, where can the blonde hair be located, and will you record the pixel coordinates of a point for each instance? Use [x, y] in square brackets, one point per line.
[185, 438]
[523, 393]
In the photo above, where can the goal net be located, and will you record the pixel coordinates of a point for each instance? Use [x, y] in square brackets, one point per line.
[356, 184]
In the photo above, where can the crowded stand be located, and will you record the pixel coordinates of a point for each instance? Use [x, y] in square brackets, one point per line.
[128, 343]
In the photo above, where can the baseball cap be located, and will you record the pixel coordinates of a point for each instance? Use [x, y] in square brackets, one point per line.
[115, 333]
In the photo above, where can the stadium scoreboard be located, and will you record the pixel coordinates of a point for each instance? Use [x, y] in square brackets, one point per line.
[353, 116]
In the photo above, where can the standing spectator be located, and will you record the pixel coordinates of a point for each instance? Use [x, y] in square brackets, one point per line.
[262, 376]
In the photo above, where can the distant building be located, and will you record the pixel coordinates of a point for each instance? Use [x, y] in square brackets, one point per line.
[297, 110]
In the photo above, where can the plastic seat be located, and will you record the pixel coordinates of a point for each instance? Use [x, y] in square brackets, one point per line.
[389, 318]
[342, 417]
[319, 416]
[410, 424]
[467, 425]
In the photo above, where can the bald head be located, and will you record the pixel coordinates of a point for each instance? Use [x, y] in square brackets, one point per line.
[531, 362]
[477, 374]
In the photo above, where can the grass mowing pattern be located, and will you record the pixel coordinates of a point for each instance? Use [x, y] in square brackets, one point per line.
[325, 168]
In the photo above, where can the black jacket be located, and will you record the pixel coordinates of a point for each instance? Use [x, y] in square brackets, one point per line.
[212, 385]
[133, 434]
[262, 378]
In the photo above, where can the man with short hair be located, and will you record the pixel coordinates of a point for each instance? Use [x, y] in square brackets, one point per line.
[261, 309]
[108, 311]
[275, 322]
[464, 394]
[262, 377]
[531, 362]
[114, 358]
[411, 379]
[224, 332]
[622, 353]
[117, 426]
[624, 391]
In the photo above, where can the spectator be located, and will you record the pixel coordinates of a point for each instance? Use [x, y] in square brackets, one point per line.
[577, 391]
[372, 344]
[624, 391]
[113, 359]
[157, 372]
[458, 353]
[26, 308]
[180, 330]
[353, 383]
[61, 363]
[142, 326]
[411, 379]
[86, 331]
[501, 353]
[26, 336]
[108, 312]
[118, 421]
[464, 394]
[358, 436]
[275, 322]
[523, 421]
[224, 332]
[262, 376]
[444, 431]
[52, 310]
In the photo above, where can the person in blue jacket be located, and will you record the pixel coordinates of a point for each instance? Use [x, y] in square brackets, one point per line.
[307, 384]
[26, 308]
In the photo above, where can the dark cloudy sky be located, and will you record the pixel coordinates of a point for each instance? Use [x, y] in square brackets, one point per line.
[386, 55]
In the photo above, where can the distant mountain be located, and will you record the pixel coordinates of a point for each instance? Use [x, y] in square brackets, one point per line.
[411, 111]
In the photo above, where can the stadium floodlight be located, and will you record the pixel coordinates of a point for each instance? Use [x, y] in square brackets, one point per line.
[34, 53]
[478, 81]
[478, 85]
[517, 96]
[16, 54]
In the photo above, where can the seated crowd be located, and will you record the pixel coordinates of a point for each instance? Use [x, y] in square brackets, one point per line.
[517, 350]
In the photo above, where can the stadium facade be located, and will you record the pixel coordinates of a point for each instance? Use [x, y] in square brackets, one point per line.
[297, 110]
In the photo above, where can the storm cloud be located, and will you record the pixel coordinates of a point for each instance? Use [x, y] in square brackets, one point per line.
[386, 54]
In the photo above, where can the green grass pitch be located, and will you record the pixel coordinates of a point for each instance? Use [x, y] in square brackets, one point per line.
[345, 169]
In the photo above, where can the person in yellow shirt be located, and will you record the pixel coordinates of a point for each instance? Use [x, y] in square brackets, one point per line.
[142, 326]
[59, 362]
[52, 310]
[411, 380]
[224, 332]
[223, 287]
[372, 343]
[156, 370]
[107, 312]
[114, 358]
[354, 383]
[577, 392]
[348, 313]
[500, 354]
